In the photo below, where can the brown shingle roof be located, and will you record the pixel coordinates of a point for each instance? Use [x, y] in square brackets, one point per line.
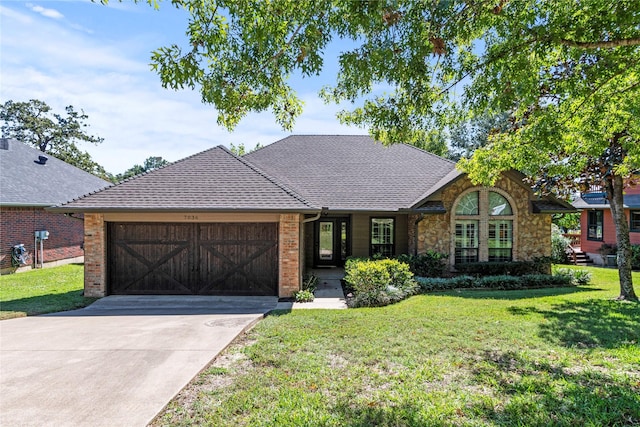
[352, 172]
[214, 180]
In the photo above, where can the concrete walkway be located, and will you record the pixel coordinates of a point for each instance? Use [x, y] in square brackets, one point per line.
[117, 362]
[328, 294]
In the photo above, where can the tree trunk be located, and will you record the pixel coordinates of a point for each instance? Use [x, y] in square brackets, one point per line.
[615, 186]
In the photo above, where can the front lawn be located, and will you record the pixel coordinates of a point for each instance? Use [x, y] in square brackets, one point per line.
[42, 291]
[563, 356]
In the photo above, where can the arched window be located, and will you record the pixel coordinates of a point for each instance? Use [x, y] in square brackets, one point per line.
[483, 224]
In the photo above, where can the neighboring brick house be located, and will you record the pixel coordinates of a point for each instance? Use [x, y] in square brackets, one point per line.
[215, 223]
[30, 181]
[596, 221]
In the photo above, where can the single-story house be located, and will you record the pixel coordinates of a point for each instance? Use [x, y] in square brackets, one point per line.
[596, 222]
[30, 181]
[215, 223]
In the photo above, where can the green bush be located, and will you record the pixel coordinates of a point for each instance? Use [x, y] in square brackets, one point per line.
[576, 277]
[510, 268]
[529, 281]
[309, 282]
[635, 257]
[379, 282]
[304, 295]
[430, 284]
[501, 282]
[429, 264]
[559, 245]
[534, 281]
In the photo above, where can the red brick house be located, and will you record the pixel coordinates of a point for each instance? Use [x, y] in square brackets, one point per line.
[219, 224]
[30, 182]
[596, 221]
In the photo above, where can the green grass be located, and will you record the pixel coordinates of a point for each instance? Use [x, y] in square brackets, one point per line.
[562, 357]
[42, 291]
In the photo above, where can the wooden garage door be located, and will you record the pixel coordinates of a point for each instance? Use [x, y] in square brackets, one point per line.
[202, 259]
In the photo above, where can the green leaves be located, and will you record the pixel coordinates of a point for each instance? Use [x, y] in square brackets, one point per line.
[567, 72]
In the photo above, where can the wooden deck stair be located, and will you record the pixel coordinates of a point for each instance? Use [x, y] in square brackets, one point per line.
[580, 258]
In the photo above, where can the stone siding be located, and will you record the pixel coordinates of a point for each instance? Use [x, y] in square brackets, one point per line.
[532, 232]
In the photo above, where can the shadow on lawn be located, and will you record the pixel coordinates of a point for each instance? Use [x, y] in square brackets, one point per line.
[507, 390]
[539, 393]
[42, 304]
[500, 294]
[591, 323]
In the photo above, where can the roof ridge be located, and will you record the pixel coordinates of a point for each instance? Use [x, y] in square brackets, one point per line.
[307, 134]
[100, 190]
[451, 176]
[271, 179]
[131, 178]
[427, 152]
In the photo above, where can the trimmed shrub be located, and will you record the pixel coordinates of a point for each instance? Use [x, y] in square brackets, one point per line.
[429, 264]
[575, 277]
[504, 282]
[430, 284]
[510, 268]
[378, 283]
[533, 281]
[501, 282]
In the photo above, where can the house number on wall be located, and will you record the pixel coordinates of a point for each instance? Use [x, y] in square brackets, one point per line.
[191, 217]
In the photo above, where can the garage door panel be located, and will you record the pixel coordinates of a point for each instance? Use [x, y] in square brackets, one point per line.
[208, 259]
[241, 259]
[150, 258]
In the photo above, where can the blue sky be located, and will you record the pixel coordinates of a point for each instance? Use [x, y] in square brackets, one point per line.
[97, 57]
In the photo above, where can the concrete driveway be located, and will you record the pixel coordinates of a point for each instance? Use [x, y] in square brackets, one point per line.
[117, 362]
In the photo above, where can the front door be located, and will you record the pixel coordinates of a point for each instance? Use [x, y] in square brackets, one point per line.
[331, 241]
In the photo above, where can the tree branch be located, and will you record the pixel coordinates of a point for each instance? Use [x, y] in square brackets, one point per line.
[601, 44]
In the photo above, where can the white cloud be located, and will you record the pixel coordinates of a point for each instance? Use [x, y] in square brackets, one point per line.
[111, 81]
[49, 13]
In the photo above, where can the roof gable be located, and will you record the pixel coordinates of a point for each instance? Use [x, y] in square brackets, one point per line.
[352, 172]
[27, 181]
[213, 180]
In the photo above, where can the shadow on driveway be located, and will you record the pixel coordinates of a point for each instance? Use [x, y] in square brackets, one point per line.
[157, 305]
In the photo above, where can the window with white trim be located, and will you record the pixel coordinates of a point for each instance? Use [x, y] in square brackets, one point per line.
[483, 221]
[634, 221]
[382, 238]
[595, 225]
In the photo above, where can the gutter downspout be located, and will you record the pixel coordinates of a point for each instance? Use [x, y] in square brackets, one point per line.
[316, 217]
[415, 233]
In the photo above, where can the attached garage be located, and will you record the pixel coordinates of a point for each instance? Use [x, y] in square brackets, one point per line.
[192, 258]
[210, 224]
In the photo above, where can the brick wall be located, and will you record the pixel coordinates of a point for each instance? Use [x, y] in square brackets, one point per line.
[95, 268]
[532, 232]
[289, 256]
[18, 224]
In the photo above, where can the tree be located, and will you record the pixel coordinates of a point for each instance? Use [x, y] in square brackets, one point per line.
[568, 72]
[33, 123]
[150, 164]
[469, 135]
[240, 149]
